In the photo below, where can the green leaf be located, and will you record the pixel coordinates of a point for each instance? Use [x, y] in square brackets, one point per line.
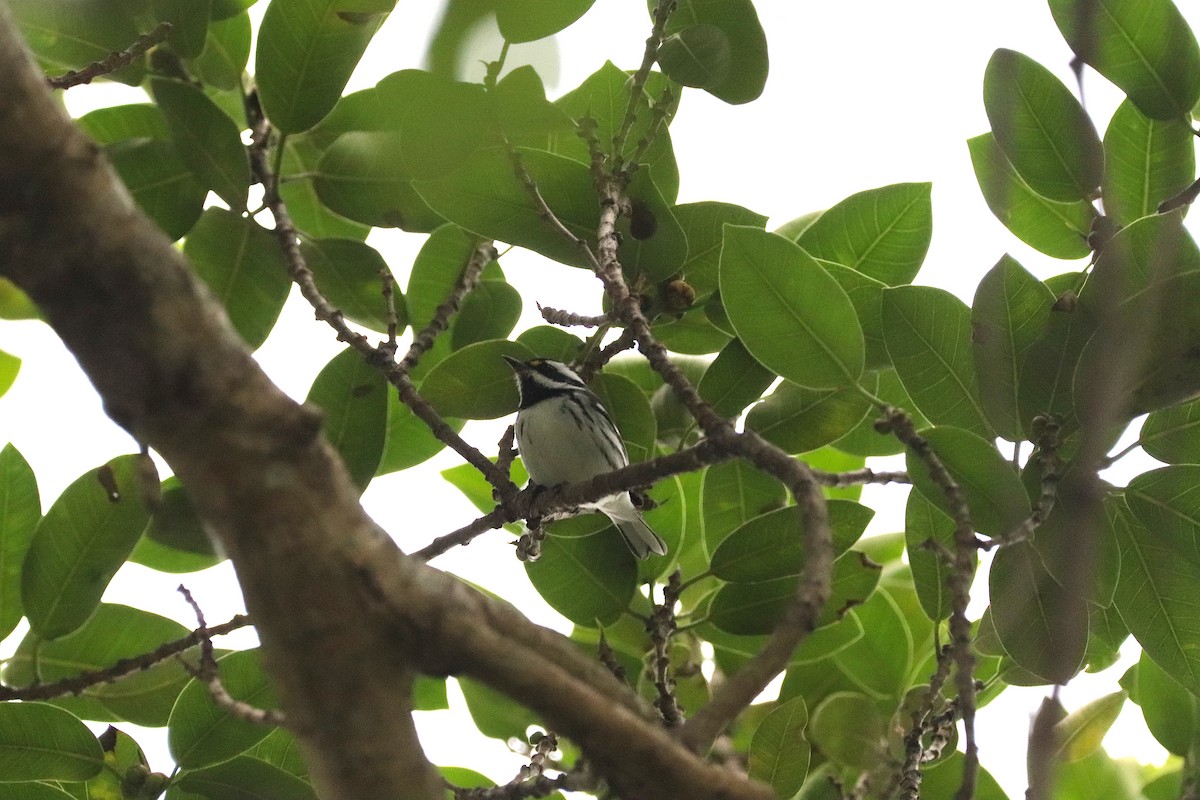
[631, 412]
[162, 185]
[866, 295]
[70, 34]
[176, 539]
[653, 245]
[490, 311]
[409, 441]
[880, 662]
[244, 266]
[703, 223]
[788, 311]
[224, 9]
[746, 74]
[1173, 434]
[113, 633]
[755, 608]
[848, 729]
[1042, 626]
[779, 753]
[941, 782]
[1079, 734]
[734, 380]
[361, 178]
[39, 742]
[733, 493]
[475, 382]
[20, 511]
[1096, 775]
[692, 334]
[1138, 260]
[1010, 310]
[225, 54]
[115, 124]
[864, 439]
[189, 24]
[1146, 161]
[485, 196]
[696, 56]
[1056, 229]
[200, 733]
[297, 188]
[1042, 128]
[495, 714]
[603, 99]
[883, 233]
[1059, 540]
[1172, 713]
[354, 397]
[281, 749]
[771, 545]
[529, 20]
[244, 778]
[350, 275]
[81, 542]
[1145, 47]
[549, 341]
[306, 52]
[589, 579]
[925, 522]
[797, 419]
[207, 140]
[1167, 501]
[928, 335]
[1047, 379]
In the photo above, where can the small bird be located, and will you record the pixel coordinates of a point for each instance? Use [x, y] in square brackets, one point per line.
[565, 435]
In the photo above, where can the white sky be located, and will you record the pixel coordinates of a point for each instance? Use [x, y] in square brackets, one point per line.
[862, 93]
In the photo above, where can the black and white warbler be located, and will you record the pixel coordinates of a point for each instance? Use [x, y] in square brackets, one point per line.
[565, 435]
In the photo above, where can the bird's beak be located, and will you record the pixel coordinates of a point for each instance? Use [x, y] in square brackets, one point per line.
[518, 366]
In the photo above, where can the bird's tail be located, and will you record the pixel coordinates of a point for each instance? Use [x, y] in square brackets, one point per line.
[640, 537]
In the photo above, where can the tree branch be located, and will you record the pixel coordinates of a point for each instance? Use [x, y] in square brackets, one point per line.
[113, 61]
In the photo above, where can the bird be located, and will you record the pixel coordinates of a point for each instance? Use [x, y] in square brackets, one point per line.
[565, 434]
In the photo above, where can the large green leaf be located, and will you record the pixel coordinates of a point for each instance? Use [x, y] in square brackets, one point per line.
[1042, 128]
[20, 510]
[734, 492]
[527, 20]
[928, 335]
[361, 177]
[243, 778]
[485, 196]
[864, 439]
[409, 441]
[226, 52]
[207, 140]
[1173, 434]
[306, 52]
[929, 535]
[490, 311]
[350, 275]
[70, 34]
[755, 608]
[1143, 46]
[788, 311]
[771, 545]
[703, 223]
[1135, 263]
[81, 542]
[631, 411]
[588, 579]
[942, 781]
[880, 663]
[866, 295]
[1010, 310]
[201, 733]
[1046, 382]
[475, 382]
[1056, 229]
[39, 742]
[244, 266]
[798, 419]
[176, 540]
[1145, 162]
[1043, 627]
[737, 20]
[883, 233]
[1155, 597]
[696, 56]
[603, 99]
[848, 728]
[113, 633]
[779, 753]
[1172, 713]
[354, 396]
[1167, 501]
[189, 24]
[297, 188]
[734, 380]
[163, 186]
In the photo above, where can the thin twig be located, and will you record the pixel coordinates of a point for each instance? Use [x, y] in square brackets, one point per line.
[661, 627]
[114, 61]
[662, 13]
[567, 319]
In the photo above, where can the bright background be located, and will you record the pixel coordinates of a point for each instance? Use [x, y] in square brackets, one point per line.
[862, 93]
